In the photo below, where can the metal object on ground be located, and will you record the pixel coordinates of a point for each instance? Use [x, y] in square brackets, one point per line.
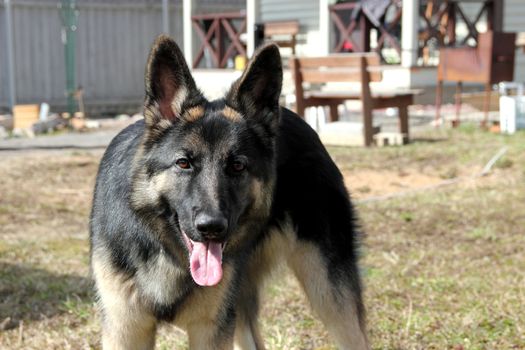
[511, 108]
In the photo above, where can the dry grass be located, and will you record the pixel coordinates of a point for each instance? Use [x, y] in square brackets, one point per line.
[444, 269]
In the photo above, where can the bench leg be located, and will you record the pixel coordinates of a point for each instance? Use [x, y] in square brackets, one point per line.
[300, 109]
[459, 90]
[403, 124]
[368, 131]
[439, 96]
[486, 106]
[334, 114]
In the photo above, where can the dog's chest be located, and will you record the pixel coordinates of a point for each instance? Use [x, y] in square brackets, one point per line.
[169, 289]
[160, 280]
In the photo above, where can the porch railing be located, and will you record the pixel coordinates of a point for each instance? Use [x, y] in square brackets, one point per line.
[220, 37]
[439, 19]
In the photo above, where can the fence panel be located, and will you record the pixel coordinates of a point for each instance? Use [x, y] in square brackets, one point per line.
[112, 44]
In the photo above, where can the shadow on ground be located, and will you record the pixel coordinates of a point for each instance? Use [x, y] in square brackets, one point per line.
[31, 294]
[427, 139]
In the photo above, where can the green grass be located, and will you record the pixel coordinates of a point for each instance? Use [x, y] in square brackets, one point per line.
[444, 268]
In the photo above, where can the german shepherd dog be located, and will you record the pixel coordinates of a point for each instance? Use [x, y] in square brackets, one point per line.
[195, 205]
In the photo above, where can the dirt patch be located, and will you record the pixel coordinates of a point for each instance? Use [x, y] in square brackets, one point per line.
[368, 183]
[46, 191]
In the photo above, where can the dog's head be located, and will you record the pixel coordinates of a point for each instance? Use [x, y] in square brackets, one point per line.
[209, 164]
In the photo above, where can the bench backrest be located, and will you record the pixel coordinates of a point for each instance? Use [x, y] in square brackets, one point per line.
[281, 28]
[336, 68]
[283, 33]
[362, 68]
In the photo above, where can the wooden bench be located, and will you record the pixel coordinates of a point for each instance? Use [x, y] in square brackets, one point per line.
[283, 33]
[360, 68]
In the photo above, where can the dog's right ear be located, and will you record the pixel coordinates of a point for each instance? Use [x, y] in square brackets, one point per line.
[169, 85]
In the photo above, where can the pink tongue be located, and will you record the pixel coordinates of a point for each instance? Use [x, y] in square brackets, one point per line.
[206, 263]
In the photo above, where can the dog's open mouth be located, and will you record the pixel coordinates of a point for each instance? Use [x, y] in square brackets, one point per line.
[205, 261]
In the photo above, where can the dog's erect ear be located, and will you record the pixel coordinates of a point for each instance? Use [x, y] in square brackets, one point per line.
[169, 85]
[258, 89]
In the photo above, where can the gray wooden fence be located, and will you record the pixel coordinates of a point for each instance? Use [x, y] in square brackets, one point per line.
[113, 40]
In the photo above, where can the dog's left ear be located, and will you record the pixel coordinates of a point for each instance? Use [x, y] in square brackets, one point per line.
[258, 89]
[169, 85]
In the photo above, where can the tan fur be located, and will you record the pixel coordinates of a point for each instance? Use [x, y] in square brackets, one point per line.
[263, 196]
[161, 115]
[273, 251]
[178, 99]
[163, 124]
[205, 303]
[159, 279]
[244, 337]
[336, 308]
[267, 258]
[199, 314]
[231, 114]
[127, 322]
[195, 140]
[155, 121]
[193, 114]
[338, 314]
[147, 191]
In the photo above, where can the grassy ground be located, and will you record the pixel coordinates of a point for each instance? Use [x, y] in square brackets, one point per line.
[444, 268]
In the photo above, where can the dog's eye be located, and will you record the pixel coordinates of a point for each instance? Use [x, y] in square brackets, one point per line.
[183, 163]
[238, 166]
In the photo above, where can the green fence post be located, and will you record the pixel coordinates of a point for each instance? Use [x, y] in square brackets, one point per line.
[69, 16]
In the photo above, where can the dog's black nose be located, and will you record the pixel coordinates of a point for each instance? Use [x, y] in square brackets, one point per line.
[211, 226]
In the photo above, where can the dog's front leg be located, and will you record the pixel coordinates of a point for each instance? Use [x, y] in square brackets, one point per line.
[336, 302]
[121, 333]
[127, 324]
[247, 334]
[211, 335]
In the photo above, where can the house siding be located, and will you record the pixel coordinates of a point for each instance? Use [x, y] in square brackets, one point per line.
[305, 11]
[514, 13]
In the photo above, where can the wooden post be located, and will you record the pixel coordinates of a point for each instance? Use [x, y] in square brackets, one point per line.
[439, 97]
[459, 90]
[299, 93]
[486, 105]
[218, 42]
[334, 113]
[366, 99]
[10, 54]
[364, 27]
[451, 24]
[496, 12]
[403, 123]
